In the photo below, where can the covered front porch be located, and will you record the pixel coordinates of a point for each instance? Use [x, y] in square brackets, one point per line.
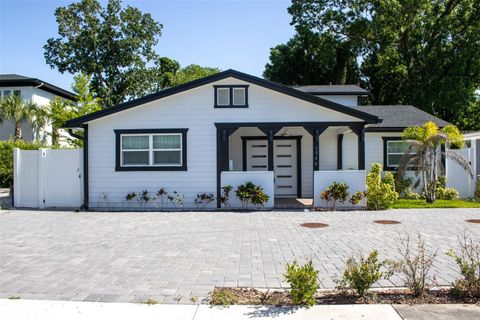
[290, 160]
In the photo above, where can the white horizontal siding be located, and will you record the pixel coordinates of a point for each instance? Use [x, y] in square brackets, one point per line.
[194, 110]
[346, 100]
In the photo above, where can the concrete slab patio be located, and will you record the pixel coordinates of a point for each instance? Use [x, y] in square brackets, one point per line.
[179, 257]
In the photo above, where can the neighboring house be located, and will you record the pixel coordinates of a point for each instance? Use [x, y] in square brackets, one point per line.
[232, 127]
[35, 90]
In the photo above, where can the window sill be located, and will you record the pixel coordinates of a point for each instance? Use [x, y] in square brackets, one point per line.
[152, 168]
[230, 107]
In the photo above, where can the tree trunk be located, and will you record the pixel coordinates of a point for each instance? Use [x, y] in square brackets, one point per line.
[18, 131]
[55, 136]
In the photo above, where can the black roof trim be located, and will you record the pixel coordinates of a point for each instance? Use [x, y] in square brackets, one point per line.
[20, 81]
[369, 118]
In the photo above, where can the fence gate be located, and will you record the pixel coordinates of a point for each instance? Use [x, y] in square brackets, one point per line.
[48, 178]
[457, 177]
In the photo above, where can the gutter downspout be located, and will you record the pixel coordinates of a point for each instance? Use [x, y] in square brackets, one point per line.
[84, 138]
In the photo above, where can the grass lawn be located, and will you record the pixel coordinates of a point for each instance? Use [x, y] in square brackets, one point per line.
[409, 204]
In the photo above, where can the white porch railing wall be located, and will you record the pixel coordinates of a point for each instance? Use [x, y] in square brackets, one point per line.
[355, 179]
[48, 178]
[261, 178]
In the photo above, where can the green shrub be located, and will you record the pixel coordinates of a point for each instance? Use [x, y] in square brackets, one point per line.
[303, 282]
[335, 192]
[409, 194]
[251, 193]
[360, 275]
[446, 193]
[6, 158]
[381, 192]
[468, 261]
[402, 184]
[357, 197]
[477, 189]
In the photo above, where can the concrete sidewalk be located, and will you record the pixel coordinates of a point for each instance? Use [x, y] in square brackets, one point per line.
[61, 310]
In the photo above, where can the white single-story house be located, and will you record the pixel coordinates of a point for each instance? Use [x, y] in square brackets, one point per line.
[230, 128]
[36, 91]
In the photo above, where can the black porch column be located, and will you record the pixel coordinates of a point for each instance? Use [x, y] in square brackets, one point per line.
[270, 133]
[340, 151]
[316, 132]
[360, 132]
[223, 135]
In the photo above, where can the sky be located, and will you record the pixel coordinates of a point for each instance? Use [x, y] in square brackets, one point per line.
[228, 34]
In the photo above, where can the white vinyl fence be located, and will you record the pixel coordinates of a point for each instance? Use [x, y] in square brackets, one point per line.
[48, 178]
[355, 179]
[458, 178]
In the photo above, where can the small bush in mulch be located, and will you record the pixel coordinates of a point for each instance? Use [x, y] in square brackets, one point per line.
[249, 296]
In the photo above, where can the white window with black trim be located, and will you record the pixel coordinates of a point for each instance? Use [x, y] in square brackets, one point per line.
[394, 149]
[231, 96]
[151, 149]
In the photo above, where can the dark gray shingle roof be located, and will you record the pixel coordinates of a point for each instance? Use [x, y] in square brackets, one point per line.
[400, 116]
[332, 89]
[16, 80]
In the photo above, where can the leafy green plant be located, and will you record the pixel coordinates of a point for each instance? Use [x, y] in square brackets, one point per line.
[402, 184]
[412, 195]
[446, 194]
[203, 200]
[424, 154]
[130, 197]
[225, 197]
[6, 158]
[414, 263]
[251, 193]
[468, 261]
[381, 192]
[335, 192]
[361, 274]
[303, 282]
[357, 197]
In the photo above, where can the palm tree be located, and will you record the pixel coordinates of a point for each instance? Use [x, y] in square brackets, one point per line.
[18, 111]
[425, 152]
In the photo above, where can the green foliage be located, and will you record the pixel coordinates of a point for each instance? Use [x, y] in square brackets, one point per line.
[308, 58]
[6, 158]
[192, 72]
[223, 297]
[412, 195]
[303, 282]
[423, 52]
[446, 193]
[251, 193]
[61, 110]
[225, 197]
[18, 111]
[335, 192]
[362, 274]
[115, 45]
[203, 200]
[468, 262]
[381, 193]
[402, 184]
[424, 155]
[357, 197]
[421, 204]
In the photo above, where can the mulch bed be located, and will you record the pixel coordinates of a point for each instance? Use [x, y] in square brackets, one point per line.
[386, 221]
[473, 220]
[244, 296]
[314, 225]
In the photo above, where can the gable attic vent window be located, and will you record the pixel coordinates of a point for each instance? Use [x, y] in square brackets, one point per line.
[231, 96]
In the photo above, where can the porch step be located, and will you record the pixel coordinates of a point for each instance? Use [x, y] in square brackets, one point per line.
[293, 203]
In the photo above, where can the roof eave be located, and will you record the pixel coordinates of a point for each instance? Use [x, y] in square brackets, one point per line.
[367, 117]
[27, 82]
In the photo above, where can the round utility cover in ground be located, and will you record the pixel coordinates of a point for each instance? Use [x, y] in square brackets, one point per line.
[473, 220]
[314, 225]
[386, 221]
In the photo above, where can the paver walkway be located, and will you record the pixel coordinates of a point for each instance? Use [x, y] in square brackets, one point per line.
[177, 257]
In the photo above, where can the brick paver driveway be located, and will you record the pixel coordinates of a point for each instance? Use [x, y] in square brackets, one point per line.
[173, 257]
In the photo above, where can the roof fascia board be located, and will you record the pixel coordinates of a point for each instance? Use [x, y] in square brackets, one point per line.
[44, 86]
[77, 122]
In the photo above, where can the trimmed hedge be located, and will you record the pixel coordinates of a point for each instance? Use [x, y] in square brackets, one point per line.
[6, 158]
